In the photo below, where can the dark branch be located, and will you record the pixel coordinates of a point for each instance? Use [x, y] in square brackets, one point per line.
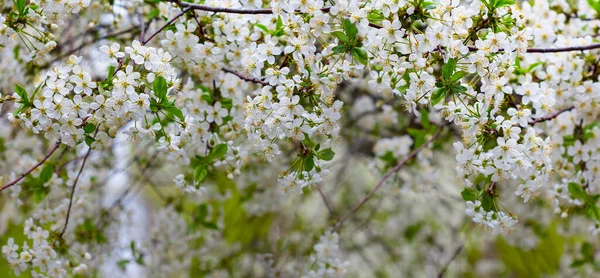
[32, 168]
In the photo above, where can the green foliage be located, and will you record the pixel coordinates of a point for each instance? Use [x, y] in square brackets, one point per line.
[542, 260]
[89, 233]
[449, 83]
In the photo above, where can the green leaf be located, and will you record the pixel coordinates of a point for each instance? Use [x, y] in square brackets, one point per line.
[218, 152]
[21, 93]
[89, 140]
[437, 95]
[309, 163]
[375, 16]
[175, 111]
[577, 191]
[339, 49]
[20, 5]
[350, 29]
[341, 36]
[361, 55]
[200, 173]
[160, 87]
[486, 202]
[459, 88]
[46, 173]
[89, 128]
[448, 68]
[469, 194]
[263, 27]
[502, 3]
[425, 118]
[457, 75]
[595, 5]
[122, 264]
[326, 154]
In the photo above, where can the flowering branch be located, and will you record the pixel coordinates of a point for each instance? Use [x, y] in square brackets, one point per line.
[32, 168]
[386, 176]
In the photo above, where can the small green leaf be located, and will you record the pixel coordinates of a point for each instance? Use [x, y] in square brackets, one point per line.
[175, 111]
[122, 264]
[160, 87]
[341, 36]
[502, 3]
[20, 5]
[577, 191]
[218, 152]
[89, 128]
[469, 194]
[437, 95]
[21, 93]
[350, 29]
[89, 140]
[46, 173]
[326, 154]
[263, 27]
[361, 55]
[200, 173]
[309, 163]
[339, 49]
[486, 202]
[448, 68]
[457, 75]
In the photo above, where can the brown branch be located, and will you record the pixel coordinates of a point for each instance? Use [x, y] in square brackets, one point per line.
[552, 116]
[325, 200]
[386, 176]
[73, 192]
[454, 256]
[32, 168]
[245, 78]
[166, 24]
[207, 8]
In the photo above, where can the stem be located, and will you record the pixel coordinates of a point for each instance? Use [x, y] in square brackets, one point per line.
[73, 191]
[32, 168]
[386, 176]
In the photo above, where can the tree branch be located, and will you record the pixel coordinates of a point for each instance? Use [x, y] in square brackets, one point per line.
[166, 24]
[245, 78]
[32, 168]
[552, 116]
[388, 175]
[73, 192]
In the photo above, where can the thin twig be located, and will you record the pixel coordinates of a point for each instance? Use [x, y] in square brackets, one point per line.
[73, 191]
[167, 24]
[32, 168]
[245, 78]
[552, 116]
[325, 200]
[386, 176]
[454, 256]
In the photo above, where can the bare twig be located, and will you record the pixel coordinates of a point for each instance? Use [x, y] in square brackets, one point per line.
[245, 78]
[454, 256]
[32, 168]
[167, 24]
[550, 117]
[325, 200]
[73, 192]
[386, 176]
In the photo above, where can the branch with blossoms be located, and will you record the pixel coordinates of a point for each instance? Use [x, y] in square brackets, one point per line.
[252, 106]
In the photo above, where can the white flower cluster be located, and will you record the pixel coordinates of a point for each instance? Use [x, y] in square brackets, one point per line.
[327, 260]
[40, 259]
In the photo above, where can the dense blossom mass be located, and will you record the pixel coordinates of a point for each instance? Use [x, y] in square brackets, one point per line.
[299, 138]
